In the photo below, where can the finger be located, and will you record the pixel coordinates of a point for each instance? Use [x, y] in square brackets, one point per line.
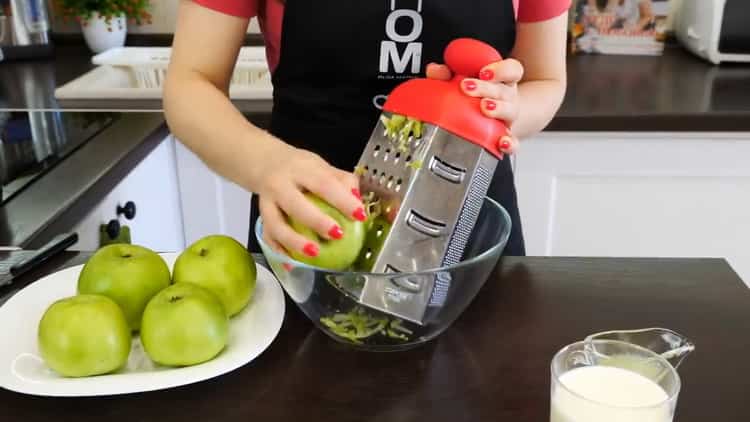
[277, 230]
[509, 144]
[350, 181]
[298, 206]
[502, 110]
[438, 71]
[338, 194]
[508, 71]
[493, 90]
[273, 244]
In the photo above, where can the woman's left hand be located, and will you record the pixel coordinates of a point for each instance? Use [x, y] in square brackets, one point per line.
[497, 85]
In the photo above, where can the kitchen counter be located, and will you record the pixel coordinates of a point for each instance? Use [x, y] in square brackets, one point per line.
[63, 191]
[492, 364]
[673, 92]
[31, 84]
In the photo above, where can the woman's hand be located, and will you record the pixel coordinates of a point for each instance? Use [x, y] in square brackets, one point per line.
[497, 85]
[282, 189]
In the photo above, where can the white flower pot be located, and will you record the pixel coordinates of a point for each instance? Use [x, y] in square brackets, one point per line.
[101, 35]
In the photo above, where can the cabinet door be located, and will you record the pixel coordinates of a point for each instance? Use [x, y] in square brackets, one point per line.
[210, 203]
[152, 186]
[627, 194]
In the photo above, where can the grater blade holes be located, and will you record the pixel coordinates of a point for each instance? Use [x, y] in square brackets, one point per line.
[376, 150]
[447, 171]
[408, 159]
[389, 269]
[382, 178]
[390, 182]
[399, 182]
[425, 225]
[397, 157]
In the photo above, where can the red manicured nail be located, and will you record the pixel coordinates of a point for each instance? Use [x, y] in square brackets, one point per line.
[356, 193]
[486, 75]
[504, 143]
[287, 266]
[470, 85]
[359, 214]
[311, 250]
[336, 232]
[491, 105]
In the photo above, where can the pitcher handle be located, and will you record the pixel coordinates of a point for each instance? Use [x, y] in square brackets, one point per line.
[672, 346]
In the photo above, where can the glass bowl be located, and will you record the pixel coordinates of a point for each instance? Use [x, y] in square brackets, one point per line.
[328, 298]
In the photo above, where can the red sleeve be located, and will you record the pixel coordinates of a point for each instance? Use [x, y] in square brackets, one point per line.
[541, 10]
[239, 8]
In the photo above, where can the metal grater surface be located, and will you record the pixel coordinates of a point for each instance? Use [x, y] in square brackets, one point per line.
[433, 189]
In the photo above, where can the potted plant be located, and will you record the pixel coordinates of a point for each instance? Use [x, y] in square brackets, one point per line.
[104, 22]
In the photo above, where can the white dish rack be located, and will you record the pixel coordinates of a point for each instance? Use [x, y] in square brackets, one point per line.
[139, 73]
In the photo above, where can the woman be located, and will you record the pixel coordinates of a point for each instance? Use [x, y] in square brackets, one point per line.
[333, 62]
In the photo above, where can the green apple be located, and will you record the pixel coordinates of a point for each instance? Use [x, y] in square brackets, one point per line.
[128, 274]
[184, 325]
[84, 335]
[222, 265]
[335, 254]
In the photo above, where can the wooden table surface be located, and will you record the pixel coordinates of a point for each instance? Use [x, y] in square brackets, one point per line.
[492, 365]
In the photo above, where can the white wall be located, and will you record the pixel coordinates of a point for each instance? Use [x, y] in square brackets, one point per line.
[164, 19]
[675, 5]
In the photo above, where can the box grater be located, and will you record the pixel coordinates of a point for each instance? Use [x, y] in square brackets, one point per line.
[431, 182]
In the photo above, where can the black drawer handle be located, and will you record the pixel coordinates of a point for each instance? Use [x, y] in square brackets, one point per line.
[128, 210]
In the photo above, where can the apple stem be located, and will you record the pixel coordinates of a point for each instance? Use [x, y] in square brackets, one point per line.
[174, 299]
[203, 252]
[127, 255]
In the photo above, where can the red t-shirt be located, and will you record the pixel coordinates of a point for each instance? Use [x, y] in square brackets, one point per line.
[270, 17]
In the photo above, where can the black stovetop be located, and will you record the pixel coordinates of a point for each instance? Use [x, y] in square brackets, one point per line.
[33, 142]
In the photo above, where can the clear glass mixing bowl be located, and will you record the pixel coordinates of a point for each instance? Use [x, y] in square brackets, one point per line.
[328, 297]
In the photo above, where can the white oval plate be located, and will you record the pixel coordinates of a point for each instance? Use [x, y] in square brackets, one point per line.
[22, 369]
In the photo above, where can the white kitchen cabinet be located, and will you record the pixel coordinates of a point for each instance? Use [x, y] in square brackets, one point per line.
[210, 203]
[637, 194]
[152, 186]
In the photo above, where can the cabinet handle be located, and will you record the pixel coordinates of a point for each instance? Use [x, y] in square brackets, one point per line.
[113, 229]
[128, 210]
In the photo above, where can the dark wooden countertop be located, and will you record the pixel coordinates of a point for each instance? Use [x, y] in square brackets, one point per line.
[673, 92]
[492, 364]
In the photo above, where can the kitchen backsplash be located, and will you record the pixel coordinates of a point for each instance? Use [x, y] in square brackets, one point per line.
[164, 18]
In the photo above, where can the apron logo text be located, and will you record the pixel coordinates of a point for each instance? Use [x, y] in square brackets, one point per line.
[412, 52]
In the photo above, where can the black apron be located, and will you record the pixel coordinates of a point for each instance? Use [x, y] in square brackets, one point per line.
[340, 58]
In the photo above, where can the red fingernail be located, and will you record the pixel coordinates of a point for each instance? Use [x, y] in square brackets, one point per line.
[287, 266]
[357, 193]
[491, 105]
[470, 85]
[505, 145]
[336, 232]
[311, 250]
[486, 75]
[359, 214]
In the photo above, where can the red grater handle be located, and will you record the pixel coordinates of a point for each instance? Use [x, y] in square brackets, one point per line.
[467, 57]
[443, 103]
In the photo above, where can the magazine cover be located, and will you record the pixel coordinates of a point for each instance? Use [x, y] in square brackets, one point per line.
[634, 27]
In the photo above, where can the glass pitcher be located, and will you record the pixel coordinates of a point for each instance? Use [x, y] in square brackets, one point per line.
[618, 376]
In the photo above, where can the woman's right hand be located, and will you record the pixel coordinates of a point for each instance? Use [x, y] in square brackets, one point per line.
[282, 191]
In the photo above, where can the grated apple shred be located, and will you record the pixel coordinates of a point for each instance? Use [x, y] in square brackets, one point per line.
[357, 325]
